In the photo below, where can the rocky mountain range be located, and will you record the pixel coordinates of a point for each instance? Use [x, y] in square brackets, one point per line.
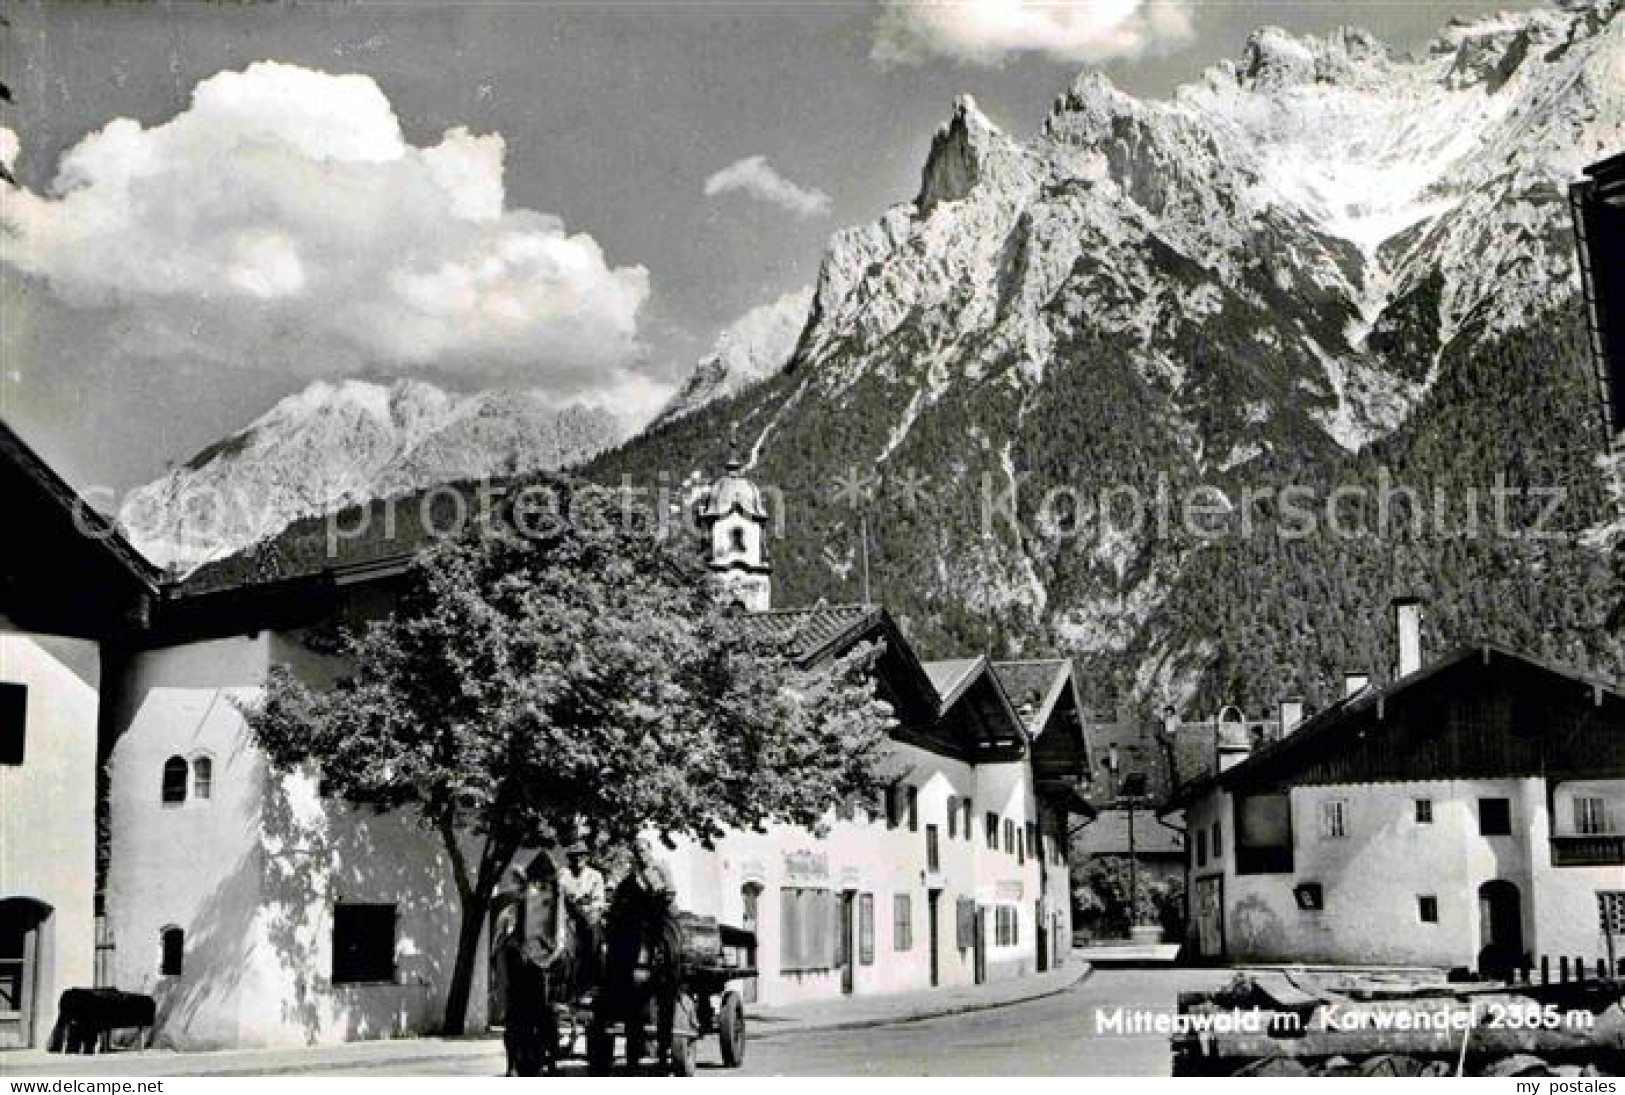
[1315, 273]
[334, 444]
[1320, 265]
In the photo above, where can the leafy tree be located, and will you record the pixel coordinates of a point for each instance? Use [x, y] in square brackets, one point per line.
[1101, 900]
[576, 680]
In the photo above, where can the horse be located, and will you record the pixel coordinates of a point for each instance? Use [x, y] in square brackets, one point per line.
[543, 969]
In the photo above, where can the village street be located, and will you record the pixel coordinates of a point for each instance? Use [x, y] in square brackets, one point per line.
[1051, 1036]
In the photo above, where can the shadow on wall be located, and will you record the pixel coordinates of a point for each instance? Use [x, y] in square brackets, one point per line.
[260, 952]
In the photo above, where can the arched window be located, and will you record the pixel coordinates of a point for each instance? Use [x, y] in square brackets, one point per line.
[736, 538]
[171, 951]
[202, 778]
[176, 774]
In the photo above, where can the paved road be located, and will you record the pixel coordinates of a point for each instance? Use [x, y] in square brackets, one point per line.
[1053, 1036]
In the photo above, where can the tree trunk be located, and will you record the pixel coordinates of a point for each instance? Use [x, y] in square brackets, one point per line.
[476, 908]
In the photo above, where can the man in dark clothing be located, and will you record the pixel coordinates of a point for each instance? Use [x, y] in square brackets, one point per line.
[643, 930]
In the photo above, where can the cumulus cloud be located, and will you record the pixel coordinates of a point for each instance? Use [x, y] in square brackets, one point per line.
[759, 179]
[282, 220]
[987, 32]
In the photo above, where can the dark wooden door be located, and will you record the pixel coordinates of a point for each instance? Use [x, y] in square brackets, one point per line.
[934, 934]
[845, 950]
[21, 927]
[1501, 925]
[981, 944]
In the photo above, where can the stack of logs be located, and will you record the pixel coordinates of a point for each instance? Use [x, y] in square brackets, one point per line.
[1373, 1023]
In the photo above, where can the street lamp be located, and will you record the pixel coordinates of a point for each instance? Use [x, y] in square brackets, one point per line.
[1129, 790]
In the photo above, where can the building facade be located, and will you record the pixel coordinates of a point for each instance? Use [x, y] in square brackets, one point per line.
[1466, 816]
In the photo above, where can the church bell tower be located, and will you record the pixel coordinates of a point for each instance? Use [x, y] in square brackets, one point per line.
[734, 521]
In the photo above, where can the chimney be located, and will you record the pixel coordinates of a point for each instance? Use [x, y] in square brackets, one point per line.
[1291, 713]
[1408, 627]
[1355, 683]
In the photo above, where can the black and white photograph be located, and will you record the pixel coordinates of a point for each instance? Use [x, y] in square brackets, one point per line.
[797, 538]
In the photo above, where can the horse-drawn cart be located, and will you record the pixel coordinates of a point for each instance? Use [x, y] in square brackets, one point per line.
[714, 956]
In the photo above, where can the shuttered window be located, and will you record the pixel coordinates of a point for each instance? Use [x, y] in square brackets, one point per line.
[1005, 926]
[970, 816]
[1334, 819]
[866, 929]
[965, 923]
[953, 816]
[806, 929]
[1591, 816]
[902, 926]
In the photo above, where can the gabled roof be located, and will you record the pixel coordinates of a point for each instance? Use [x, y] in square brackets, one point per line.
[64, 568]
[818, 632]
[1046, 696]
[1035, 686]
[1311, 741]
[952, 676]
[1139, 750]
[28, 469]
[823, 632]
[1108, 835]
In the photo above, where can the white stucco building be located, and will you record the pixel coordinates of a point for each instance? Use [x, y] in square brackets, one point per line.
[256, 911]
[960, 875]
[1467, 815]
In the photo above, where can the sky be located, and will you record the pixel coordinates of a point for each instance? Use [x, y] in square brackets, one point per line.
[220, 204]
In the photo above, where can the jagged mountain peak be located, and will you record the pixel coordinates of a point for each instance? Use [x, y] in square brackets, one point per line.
[966, 149]
[750, 349]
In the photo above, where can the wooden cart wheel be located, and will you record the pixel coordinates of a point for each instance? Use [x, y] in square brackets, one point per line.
[731, 1029]
[685, 1055]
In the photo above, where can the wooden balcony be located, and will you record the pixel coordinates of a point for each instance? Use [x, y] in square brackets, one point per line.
[1600, 850]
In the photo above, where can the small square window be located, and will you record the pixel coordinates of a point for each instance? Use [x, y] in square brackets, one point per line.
[202, 778]
[1591, 816]
[1334, 819]
[1495, 817]
[1427, 909]
[1424, 811]
[363, 943]
[13, 722]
